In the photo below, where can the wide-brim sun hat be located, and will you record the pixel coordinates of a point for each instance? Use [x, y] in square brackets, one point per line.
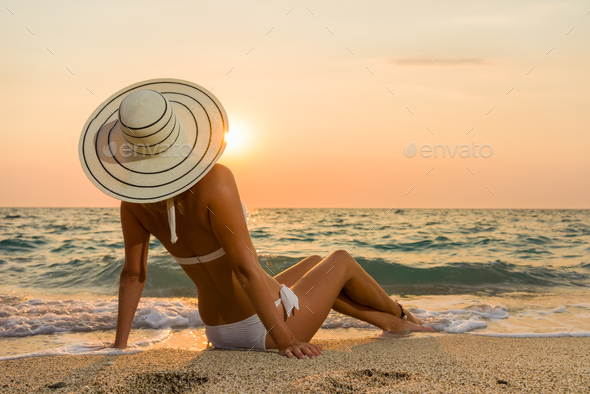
[153, 140]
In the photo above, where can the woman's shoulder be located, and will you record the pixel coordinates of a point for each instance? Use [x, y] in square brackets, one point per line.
[219, 176]
[219, 171]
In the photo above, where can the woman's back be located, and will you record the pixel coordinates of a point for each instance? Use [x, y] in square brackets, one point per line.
[221, 298]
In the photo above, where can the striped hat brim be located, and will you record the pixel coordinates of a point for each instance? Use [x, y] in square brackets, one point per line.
[188, 149]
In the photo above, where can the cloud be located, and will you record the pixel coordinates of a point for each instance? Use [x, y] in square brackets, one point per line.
[434, 61]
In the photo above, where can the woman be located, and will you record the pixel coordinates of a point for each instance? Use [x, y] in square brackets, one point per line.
[239, 303]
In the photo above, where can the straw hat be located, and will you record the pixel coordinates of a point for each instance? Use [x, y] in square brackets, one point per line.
[153, 140]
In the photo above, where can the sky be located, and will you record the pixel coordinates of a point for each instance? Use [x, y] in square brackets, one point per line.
[323, 98]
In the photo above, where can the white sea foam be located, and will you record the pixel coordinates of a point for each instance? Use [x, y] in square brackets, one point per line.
[82, 326]
[459, 321]
[33, 317]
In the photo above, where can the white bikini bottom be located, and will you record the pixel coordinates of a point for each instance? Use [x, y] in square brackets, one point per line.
[248, 333]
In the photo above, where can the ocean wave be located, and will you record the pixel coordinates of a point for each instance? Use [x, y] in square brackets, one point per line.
[43, 317]
[29, 317]
[27, 324]
[100, 273]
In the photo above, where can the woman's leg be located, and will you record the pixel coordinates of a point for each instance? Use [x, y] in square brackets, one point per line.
[318, 291]
[343, 303]
[292, 274]
[383, 320]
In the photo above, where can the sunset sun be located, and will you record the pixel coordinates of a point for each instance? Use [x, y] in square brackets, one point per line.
[237, 138]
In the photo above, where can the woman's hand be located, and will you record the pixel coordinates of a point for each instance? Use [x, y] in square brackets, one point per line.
[300, 350]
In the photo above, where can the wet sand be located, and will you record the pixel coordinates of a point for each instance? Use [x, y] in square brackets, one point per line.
[439, 363]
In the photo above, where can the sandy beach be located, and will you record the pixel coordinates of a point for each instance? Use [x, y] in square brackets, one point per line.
[441, 363]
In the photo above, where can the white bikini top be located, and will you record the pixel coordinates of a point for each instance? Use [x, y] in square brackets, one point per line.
[195, 259]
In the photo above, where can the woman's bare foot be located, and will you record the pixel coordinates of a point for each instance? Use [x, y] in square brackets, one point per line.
[400, 326]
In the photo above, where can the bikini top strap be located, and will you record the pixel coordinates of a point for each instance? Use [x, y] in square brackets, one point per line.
[171, 219]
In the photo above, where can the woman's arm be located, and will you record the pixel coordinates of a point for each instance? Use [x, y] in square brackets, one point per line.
[133, 273]
[229, 226]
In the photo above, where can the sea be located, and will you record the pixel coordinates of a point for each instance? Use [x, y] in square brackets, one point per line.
[492, 272]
